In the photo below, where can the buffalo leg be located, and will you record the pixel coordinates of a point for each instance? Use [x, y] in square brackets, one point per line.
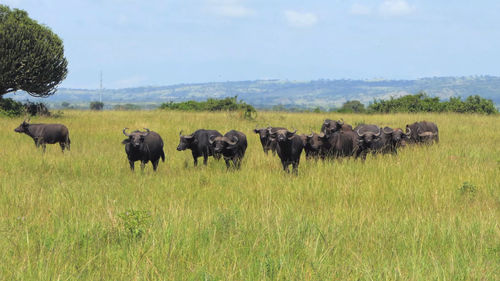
[155, 164]
[237, 162]
[205, 158]
[143, 164]
[132, 165]
[295, 168]
[228, 164]
[62, 144]
[195, 161]
[285, 166]
[43, 147]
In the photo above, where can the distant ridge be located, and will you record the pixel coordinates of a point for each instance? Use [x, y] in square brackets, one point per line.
[304, 94]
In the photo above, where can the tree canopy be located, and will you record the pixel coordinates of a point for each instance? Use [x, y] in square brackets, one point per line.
[31, 55]
[421, 102]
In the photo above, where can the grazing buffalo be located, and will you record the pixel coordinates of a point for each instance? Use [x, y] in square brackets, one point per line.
[368, 139]
[423, 132]
[332, 126]
[232, 146]
[312, 145]
[46, 133]
[267, 143]
[338, 144]
[199, 144]
[143, 146]
[289, 147]
[391, 140]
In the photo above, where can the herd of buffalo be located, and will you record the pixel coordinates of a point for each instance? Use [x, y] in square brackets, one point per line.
[335, 140]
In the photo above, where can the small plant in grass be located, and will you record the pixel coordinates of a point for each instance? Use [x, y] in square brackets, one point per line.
[135, 222]
[467, 188]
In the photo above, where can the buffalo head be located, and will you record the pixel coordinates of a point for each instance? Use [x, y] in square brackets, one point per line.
[425, 136]
[263, 133]
[221, 143]
[398, 137]
[23, 128]
[135, 138]
[367, 139]
[315, 141]
[332, 126]
[185, 141]
[281, 135]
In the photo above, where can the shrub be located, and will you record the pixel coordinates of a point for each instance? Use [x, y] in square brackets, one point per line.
[225, 104]
[36, 108]
[135, 222]
[421, 102]
[354, 106]
[10, 107]
[96, 105]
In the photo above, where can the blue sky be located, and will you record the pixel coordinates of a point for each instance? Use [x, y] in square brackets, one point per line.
[152, 42]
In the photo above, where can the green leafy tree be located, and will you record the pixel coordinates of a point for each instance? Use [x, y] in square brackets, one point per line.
[31, 55]
[96, 105]
[352, 106]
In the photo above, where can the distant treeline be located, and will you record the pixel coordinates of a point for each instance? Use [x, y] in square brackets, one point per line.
[421, 102]
[225, 104]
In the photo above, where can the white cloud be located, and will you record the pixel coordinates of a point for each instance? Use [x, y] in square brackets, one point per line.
[360, 9]
[230, 8]
[299, 19]
[395, 8]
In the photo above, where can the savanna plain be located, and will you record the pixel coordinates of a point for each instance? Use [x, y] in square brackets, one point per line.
[428, 213]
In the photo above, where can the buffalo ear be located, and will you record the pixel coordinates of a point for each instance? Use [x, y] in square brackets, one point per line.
[256, 131]
[125, 141]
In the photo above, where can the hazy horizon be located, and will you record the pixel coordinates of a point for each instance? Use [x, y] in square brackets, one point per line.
[158, 43]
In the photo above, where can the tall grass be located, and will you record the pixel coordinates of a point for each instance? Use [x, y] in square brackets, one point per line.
[429, 213]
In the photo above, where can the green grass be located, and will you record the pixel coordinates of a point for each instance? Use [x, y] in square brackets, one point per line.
[429, 213]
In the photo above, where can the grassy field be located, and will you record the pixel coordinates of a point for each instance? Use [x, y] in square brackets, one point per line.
[429, 213]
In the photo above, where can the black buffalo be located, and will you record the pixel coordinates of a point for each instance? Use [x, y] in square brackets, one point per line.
[289, 146]
[331, 126]
[369, 139]
[143, 146]
[199, 144]
[265, 140]
[423, 132]
[391, 140]
[338, 144]
[232, 146]
[312, 145]
[46, 133]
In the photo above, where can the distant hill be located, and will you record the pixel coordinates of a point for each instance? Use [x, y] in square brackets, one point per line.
[301, 94]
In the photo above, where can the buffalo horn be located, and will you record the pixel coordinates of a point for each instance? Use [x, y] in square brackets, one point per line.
[408, 131]
[125, 133]
[379, 132]
[147, 131]
[234, 141]
[341, 121]
[387, 132]
[211, 139]
[357, 132]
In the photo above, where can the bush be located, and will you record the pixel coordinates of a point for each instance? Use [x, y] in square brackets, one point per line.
[36, 108]
[96, 105]
[10, 107]
[354, 106]
[421, 102]
[226, 104]
[135, 222]
[127, 106]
